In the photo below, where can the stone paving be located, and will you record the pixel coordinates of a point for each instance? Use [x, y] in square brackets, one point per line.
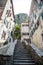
[22, 55]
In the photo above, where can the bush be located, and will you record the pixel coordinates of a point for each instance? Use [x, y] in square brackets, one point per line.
[17, 33]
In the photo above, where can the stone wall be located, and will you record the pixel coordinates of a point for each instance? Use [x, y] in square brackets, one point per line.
[37, 38]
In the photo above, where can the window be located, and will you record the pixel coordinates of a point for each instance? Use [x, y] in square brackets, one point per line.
[40, 5]
[25, 33]
[42, 36]
[8, 13]
[26, 25]
[33, 21]
[35, 16]
[34, 29]
[32, 24]
[36, 26]
[37, 23]
[42, 15]
[29, 27]
[32, 32]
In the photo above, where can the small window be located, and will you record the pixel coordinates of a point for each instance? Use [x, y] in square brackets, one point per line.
[35, 16]
[37, 23]
[33, 21]
[42, 36]
[25, 33]
[29, 27]
[42, 15]
[31, 32]
[40, 5]
[8, 13]
[31, 24]
[11, 19]
[36, 26]
[34, 29]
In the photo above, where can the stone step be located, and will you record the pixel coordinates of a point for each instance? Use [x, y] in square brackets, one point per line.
[24, 64]
[19, 52]
[27, 54]
[22, 51]
[23, 58]
[24, 55]
[24, 61]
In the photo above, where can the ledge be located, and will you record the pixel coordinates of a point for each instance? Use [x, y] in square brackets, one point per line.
[36, 53]
[6, 58]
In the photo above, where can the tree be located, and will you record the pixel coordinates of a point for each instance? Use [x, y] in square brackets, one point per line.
[17, 33]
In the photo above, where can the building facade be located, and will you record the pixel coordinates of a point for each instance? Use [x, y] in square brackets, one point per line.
[24, 31]
[6, 20]
[36, 23]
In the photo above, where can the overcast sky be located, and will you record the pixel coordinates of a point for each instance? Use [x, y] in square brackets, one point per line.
[22, 6]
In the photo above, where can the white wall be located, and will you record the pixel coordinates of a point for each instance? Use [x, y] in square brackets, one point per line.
[37, 38]
[7, 7]
[7, 20]
[24, 29]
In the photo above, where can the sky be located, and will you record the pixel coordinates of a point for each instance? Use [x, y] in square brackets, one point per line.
[22, 6]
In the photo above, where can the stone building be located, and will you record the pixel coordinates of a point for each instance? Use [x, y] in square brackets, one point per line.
[36, 23]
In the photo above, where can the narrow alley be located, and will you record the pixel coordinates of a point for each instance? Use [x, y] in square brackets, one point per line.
[22, 55]
[21, 32]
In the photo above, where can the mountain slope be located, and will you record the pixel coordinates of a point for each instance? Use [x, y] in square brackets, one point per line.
[22, 17]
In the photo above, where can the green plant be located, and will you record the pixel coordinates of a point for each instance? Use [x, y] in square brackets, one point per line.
[17, 33]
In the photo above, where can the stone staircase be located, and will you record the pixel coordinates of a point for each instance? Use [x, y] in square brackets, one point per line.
[22, 56]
